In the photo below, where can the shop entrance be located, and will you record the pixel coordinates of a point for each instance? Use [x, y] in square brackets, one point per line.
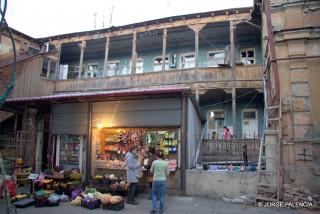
[111, 144]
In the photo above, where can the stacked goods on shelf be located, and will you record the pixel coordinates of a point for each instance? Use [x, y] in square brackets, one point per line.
[22, 174]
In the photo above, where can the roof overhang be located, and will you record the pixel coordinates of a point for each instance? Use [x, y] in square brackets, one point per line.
[100, 95]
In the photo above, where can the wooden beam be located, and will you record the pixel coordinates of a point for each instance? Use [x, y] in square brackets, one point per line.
[159, 26]
[184, 143]
[196, 29]
[82, 47]
[232, 48]
[48, 68]
[134, 54]
[234, 112]
[106, 56]
[164, 47]
[89, 144]
[57, 69]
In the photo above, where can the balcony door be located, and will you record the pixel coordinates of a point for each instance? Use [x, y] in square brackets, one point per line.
[250, 123]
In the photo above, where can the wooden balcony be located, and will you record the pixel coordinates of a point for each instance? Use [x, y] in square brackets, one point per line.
[228, 151]
[249, 76]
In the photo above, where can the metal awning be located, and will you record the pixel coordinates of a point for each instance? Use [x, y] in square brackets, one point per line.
[102, 94]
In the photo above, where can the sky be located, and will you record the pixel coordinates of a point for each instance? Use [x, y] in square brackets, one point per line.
[41, 18]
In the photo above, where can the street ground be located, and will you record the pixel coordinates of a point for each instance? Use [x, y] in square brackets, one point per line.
[175, 205]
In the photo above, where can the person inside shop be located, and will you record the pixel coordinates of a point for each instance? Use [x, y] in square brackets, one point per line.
[226, 133]
[152, 158]
[214, 135]
[160, 171]
[132, 167]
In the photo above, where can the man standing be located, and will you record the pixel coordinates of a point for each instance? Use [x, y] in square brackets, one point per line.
[132, 166]
[159, 169]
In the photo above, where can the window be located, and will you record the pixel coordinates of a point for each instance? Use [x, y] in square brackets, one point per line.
[48, 68]
[92, 70]
[247, 55]
[249, 115]
[157, 64]
[215, 58]
[113, 68]
[44, 68]
[139, 66]
[187, 60]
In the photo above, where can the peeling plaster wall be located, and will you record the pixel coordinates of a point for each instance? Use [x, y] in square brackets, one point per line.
[296, 34]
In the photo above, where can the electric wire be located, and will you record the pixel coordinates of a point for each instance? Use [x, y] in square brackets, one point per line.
[3, 13]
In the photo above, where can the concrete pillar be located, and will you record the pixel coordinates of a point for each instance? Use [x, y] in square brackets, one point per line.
[106, 56]
[164, 47]
[82, 47]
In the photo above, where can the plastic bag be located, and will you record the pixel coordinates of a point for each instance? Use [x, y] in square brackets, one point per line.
[63, 198]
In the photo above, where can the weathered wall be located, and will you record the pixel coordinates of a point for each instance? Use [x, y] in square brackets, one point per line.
[194, 134]
[296, 38]
[29, 83]
[220, 184]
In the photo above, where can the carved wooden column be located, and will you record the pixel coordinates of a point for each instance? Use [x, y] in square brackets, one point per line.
[164, 47]
[57, 69]
[82, 47]
[106, 56]
[134, 54]
[196, 29]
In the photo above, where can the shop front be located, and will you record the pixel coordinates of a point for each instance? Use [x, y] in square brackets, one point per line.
[146, 123]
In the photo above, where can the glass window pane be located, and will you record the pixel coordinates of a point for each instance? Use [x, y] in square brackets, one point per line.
[249, 115]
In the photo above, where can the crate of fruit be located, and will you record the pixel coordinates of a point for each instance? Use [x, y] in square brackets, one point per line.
[116, 206]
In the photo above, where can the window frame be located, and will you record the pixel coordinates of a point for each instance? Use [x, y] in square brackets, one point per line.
[183, 63]
[215, 51]
[208, 118]
[246, 49]
[115, 71]
[167, 67]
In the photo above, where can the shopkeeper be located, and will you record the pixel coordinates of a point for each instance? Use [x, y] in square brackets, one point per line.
[132, 166]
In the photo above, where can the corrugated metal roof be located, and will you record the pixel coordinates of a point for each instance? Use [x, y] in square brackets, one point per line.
[110, 93]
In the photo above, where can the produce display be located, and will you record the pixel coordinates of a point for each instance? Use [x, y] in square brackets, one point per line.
[76, 201]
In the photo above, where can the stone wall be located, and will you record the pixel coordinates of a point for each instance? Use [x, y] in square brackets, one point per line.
[220, 184]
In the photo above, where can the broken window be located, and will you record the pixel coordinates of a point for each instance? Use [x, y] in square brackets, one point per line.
[215, 58]
[157, 64]
[44, 68]
[187, 60]
[48, 68]
[247, 55]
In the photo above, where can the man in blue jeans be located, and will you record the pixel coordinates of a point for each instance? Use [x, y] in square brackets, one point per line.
[159, 169]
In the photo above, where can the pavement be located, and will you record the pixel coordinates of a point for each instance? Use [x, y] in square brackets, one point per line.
[175, 205]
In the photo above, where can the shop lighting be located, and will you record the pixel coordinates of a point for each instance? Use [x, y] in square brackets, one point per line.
[211, 114]
[100, 125]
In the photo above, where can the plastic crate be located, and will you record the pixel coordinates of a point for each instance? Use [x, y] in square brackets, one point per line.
[24, 203]
[117, 206]
[95, 204]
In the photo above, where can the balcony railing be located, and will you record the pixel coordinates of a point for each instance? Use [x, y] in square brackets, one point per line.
[228, 151]
[244, 76]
